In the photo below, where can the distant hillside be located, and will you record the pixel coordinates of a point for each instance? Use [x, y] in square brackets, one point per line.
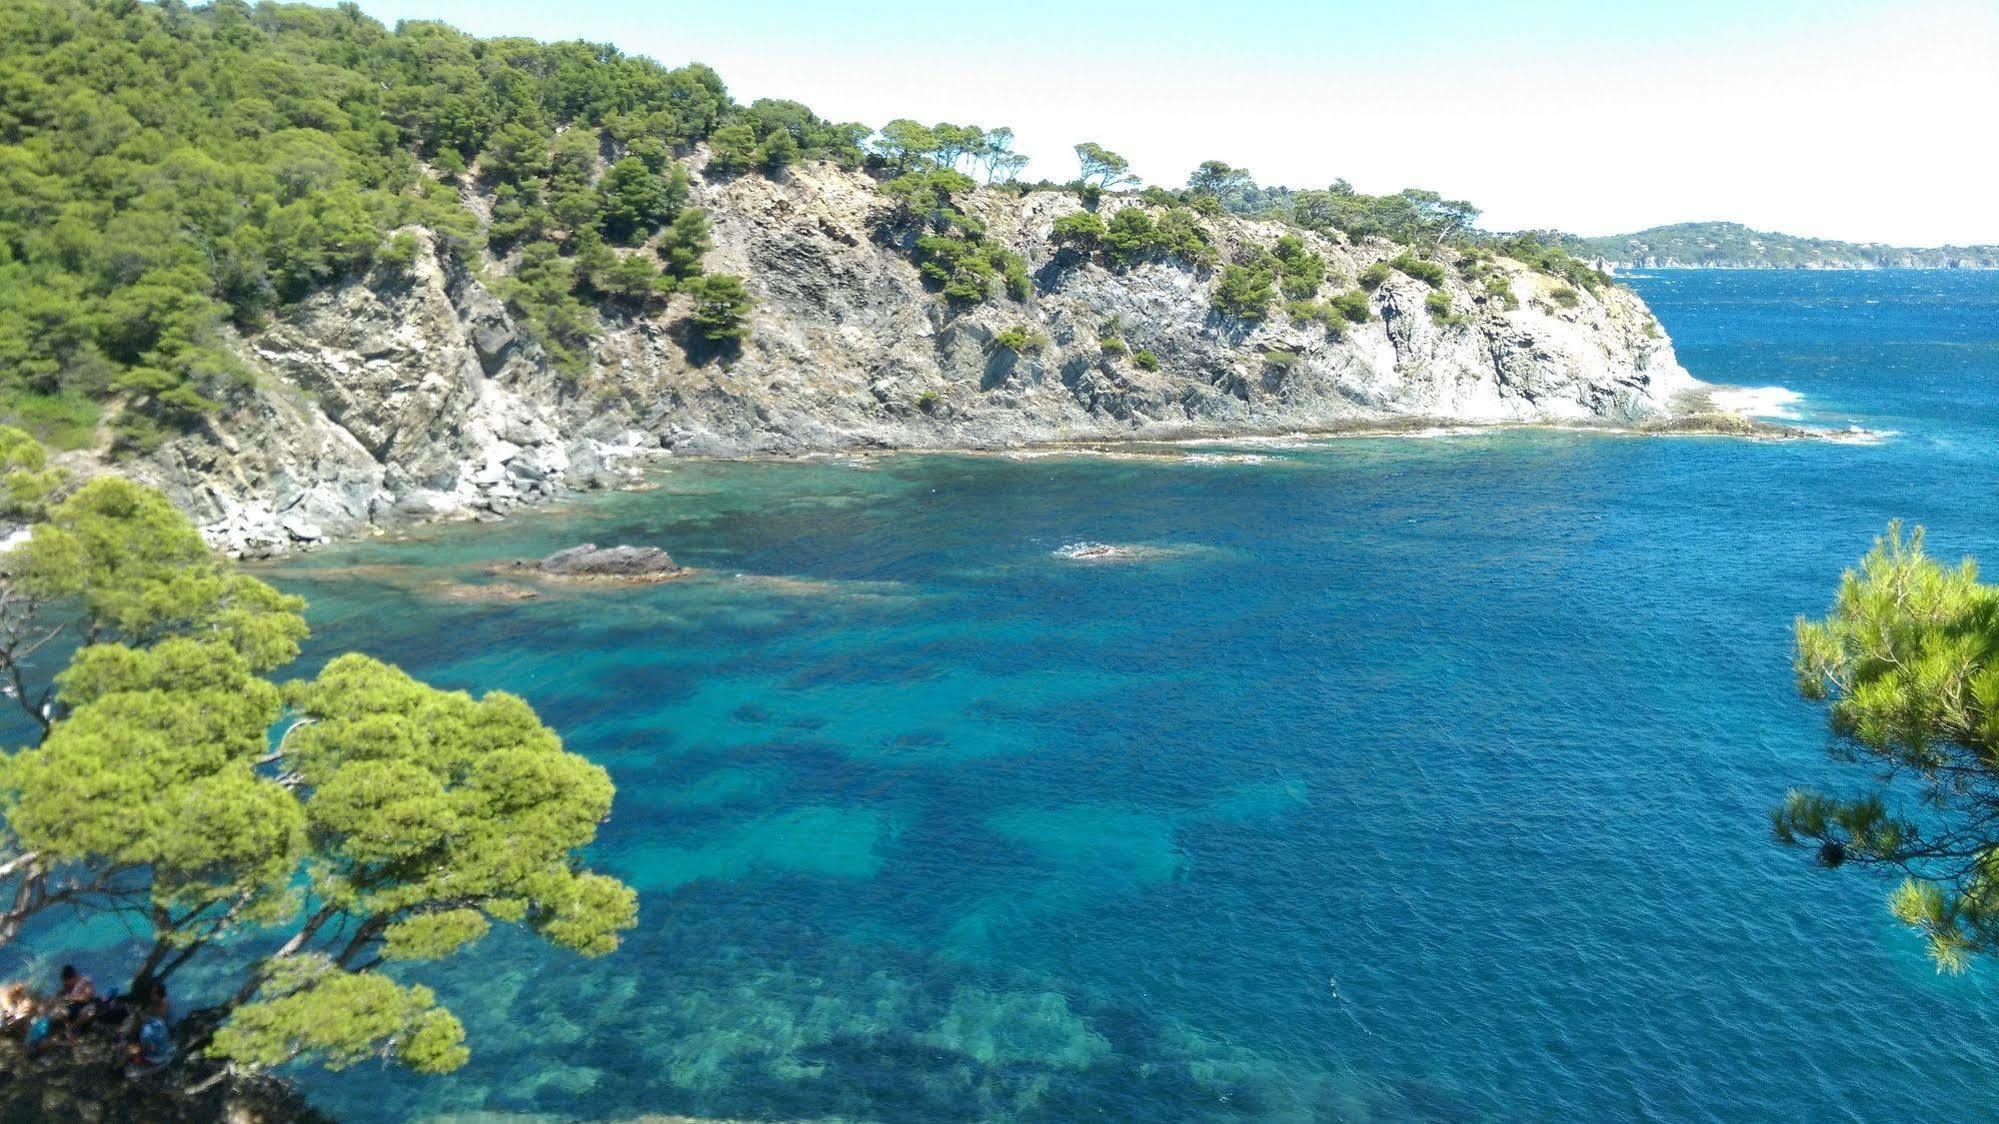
[1730, 245]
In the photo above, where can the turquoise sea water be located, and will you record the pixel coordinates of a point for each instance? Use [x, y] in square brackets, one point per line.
[1390, 779]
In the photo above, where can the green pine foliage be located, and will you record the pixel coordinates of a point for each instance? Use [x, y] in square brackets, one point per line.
[296, 836]
[1428, 272]
[168, 173]
[1353, 306]
[1244, 292]
[684, 244]
[1300, 270]
[1083, 230]
[1315, 312]
[1544, 254]
[1021, 340]
[968, 270]
[955, 257]
[721, 306]
[1906, 662]
[1438, 305]
[1133, 235]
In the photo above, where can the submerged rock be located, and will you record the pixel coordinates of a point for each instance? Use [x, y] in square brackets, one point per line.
[495, 591]
[625, 564]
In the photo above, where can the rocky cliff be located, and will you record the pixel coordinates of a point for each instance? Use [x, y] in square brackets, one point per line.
[411, 393]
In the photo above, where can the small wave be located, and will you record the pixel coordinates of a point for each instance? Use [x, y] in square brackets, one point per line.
[1854, 435]
[1087, 551]
[1757, 401]
[1298, 440]
[1224, 458]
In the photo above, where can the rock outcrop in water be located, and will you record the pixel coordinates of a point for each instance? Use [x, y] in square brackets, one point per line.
[412, 393]
[628, 565]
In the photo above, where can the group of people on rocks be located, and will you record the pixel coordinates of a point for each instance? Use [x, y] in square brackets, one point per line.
[136, 1021]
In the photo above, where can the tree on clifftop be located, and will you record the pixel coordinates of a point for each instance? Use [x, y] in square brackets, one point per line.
[1908, 662]
[390, 822]
[1102, 168]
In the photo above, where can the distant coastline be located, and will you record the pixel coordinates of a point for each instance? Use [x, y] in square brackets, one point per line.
[1728, 245]
[1654, 265]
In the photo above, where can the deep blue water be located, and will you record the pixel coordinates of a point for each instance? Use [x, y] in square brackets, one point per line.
[1397, 779]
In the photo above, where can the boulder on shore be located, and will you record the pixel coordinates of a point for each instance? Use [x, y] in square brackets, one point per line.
[622, 563]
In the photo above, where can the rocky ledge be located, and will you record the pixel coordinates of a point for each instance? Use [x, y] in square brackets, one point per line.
[413, 393]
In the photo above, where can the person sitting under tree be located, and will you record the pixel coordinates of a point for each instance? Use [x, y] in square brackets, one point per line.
[76, 1001]
[152, 1045]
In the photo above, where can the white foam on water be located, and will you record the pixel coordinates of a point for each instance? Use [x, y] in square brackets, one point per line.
[1087, 551]
[1757, 401]
[1854, 435]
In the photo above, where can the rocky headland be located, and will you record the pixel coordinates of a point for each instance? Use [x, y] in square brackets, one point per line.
[411, 393]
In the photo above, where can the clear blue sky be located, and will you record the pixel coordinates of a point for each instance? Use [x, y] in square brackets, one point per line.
[1858, 120]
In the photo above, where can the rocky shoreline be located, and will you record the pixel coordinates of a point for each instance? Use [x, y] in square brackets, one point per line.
[413, 394]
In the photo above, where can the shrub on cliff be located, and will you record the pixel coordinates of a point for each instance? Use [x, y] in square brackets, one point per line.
[1544, 255]
[635, 200]
[1082, 230]
[1314, 312]
[1353, 306]
[1428, 272]
[1300, 271]
[1133, 236]
[684, 244]
[732, 148]
[542, 292]
[1244, 292]
[1021, 340]
[967, 271]
[721, 306]
[386, 822]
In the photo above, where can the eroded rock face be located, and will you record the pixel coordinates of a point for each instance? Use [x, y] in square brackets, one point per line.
[414, 395]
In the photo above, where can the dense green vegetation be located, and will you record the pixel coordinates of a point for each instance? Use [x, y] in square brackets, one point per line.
[1133, 235]
[954, 254]
[1431, 226]
[1731, 243]
[1247, 288]
[1908, 662]
[166, 171]
[302, 834]
[169, 173]
[1412, 216]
